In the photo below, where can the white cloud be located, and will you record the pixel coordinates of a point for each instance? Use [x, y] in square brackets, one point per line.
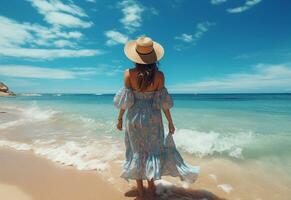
[27, 71]
[45, 6]
[48, 53]
[115, 37]
[59, 14]
[264, 78]
[63, 43]
[14, 36]
[66, 20]
[131, 14]
[201, 28]
[216, 2]
[35, 72]
[248, 4]
[12, 33]
[153, 11]
[101, 69]
[185, 37]
[110, 70]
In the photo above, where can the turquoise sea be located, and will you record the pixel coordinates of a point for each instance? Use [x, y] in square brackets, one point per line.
[79, 129]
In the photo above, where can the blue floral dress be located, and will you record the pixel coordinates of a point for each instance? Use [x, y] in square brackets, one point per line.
[150, 153]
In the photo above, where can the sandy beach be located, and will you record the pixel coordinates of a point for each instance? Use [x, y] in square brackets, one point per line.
[24, 176]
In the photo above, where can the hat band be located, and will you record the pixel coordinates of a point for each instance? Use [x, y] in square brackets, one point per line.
[143, 53]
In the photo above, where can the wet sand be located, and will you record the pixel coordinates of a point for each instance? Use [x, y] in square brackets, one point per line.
[24, 176]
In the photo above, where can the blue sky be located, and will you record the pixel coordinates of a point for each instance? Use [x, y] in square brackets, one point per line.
[211, 46]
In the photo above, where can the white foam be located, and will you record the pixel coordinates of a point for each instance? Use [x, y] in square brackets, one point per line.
[225, 187]
[28, 114]
[44, 141]
[236, 153]
[202, 143]
[213, 176]
[83, 156]
[15, 145]
[88, 122]
[30, 94]
[35, 113]
[11, 124]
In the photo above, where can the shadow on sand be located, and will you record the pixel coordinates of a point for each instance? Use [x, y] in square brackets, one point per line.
[178, 193]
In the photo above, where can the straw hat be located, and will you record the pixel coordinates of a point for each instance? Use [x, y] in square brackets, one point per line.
[143, 50]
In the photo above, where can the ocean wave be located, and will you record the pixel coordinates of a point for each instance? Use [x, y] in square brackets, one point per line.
[203, 144]
[15, 145]
[92, 155]
[61, 123]
[26, 115]
[11, 124]
[35, 113]
[57, 95]
[30, 94]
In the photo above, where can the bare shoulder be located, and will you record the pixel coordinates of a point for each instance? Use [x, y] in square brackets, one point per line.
[160, 79]
[160, 75]
[126, 72]
[127, 78]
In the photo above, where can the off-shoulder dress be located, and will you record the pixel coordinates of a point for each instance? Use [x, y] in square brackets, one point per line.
[150, 152]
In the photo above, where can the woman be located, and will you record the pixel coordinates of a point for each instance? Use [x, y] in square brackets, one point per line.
[149, 154]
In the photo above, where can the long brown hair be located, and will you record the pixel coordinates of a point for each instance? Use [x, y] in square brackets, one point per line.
[145, 75]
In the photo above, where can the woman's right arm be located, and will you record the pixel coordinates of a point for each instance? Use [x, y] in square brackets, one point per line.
[166, 111]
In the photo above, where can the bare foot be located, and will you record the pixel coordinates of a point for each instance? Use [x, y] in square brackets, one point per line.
[152, 190]
[132, 192]
[140, 198]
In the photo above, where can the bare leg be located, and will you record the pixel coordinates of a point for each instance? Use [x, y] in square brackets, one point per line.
[140, 189]
[152, 187]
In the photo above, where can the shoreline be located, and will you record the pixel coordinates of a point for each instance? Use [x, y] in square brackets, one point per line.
[25, 176]
[28, 176]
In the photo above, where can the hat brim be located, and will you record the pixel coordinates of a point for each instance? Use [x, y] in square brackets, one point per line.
[133, 55]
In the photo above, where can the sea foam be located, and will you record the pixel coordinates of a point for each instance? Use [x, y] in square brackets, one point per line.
[26, 115]
[30, 94]
[35, 113]
[225, 187]
[203, 144]
[92, 155]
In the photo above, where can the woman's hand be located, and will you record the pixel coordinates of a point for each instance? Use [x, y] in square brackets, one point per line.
[119, 124]
[171, 128]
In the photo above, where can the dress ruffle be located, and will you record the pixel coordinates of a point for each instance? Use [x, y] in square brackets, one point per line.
[162, 99]
[124, 98]
[154, 165]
